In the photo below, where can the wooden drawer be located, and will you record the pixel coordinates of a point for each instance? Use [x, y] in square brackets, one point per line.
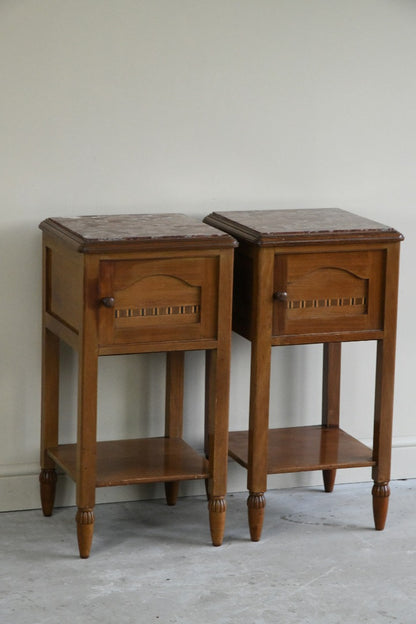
[328, 292]
[158, 299]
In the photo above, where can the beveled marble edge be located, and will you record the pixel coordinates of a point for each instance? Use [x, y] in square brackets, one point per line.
[267, 227]
[142, 229]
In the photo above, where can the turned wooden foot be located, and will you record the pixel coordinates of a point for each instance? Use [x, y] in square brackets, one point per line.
[85, 530]
[217, 512]
[47, 480]
[256, 504]
[329, 479]
[171, 492]
[381, 493]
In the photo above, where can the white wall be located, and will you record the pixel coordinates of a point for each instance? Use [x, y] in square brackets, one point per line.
[192, 106]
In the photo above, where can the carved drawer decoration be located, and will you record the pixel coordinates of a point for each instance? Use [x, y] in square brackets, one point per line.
[153, 300]
[328, 291]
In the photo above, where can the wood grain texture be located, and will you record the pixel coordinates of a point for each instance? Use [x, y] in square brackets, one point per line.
[136, 284]
[143, 460]
[298, 449]
[305, 277]
[331, 395]
[158, 300]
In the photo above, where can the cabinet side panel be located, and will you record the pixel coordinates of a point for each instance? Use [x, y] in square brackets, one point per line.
[242, 293]
[64, 279]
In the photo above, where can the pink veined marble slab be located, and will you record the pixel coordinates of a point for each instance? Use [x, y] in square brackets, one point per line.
[90, 232]
[272, 226]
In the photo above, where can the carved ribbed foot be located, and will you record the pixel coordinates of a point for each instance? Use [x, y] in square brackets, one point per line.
[171, 492]
[256, 504]
[329, 479]
[381, 493]
[47, 480]
[217, 512]
[85, 530]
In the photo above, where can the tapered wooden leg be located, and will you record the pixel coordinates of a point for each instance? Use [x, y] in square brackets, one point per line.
[217, 511]
[256, 503]
[383, 431]
[329, 479]
[86, 469]
[381, 493]
[384, 394]
[49, 419]
[208, 407]
[47, 480]
[216, 405]
[85, 530]
[171, 492]
[217, 393]
[258, 434]
[331, 398]
[175, 365]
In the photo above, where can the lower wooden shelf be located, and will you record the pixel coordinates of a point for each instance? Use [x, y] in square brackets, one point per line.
[144, 460]
[298, 449]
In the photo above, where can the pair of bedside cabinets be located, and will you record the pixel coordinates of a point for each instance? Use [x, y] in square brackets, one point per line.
[164, 283]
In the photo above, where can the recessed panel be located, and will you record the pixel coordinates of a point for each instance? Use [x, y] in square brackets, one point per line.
[155, 300]
[328, 292]
[64, 280]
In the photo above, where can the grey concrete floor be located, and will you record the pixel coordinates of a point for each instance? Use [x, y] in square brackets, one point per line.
[319, 561]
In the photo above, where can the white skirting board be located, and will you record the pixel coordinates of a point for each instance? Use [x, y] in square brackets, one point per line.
[19, 487]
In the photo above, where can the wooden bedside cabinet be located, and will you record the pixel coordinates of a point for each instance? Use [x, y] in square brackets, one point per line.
[136, 284]
[302, 277]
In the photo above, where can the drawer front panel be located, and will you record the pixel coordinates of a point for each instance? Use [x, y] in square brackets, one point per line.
[328, 292]
[158, 300]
